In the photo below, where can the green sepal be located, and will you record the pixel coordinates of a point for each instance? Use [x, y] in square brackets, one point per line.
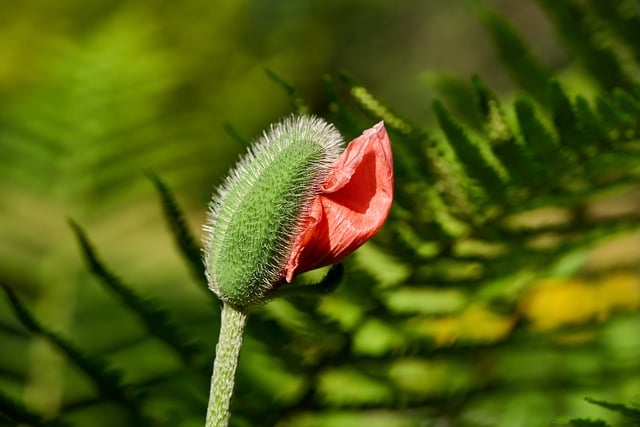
[258, 212]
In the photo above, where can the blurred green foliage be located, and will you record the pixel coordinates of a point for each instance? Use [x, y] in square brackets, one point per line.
[503, 290]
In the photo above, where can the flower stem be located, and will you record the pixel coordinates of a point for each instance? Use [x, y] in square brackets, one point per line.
[224, 367]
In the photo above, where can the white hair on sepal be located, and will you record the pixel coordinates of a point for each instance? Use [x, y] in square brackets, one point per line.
[247, 172]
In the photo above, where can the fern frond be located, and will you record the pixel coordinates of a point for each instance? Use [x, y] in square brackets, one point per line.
[456, 95]
[629, 103]
[630, 412]
[182, 236]
[582, 422]
[524, 68]
[618, 124]
[14, 413]
[590, 127]
[106, 379]
[622, 19]
[470, 155]
[502, 137]
[157, 320]
[571, 22]
[298, 104]
[545, 154]
[375, 108]
[340, 116]
[565, 122]
[230, 130]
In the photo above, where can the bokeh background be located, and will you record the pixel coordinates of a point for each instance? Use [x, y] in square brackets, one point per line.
[93, 94]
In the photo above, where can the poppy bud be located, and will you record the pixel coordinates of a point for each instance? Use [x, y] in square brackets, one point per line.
[296, 201]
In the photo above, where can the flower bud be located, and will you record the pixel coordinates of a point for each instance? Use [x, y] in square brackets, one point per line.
[254, 218]
[296, 201]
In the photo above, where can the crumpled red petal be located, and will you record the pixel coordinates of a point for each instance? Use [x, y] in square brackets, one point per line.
[352, 206]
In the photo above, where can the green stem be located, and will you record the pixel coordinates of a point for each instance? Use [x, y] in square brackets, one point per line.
[224, 367]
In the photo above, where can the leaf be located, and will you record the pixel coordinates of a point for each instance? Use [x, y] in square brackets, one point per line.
[470, 154]
[456, 94]
[617, 123]
[572, 24]
[525, 69]
[590, 126]
[633, 413]
[16, 414]
[377, 109]
[508, 150]
[538, 141]
[156, 319]
[583, 422]
[298, 103]
[106, 379]
[348, 387]
[182, 236]
[566, 123]
[622, 20]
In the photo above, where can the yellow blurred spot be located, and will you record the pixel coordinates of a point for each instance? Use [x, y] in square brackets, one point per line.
[548, 304]
[476, 324]
[555, 302]
[620, 291]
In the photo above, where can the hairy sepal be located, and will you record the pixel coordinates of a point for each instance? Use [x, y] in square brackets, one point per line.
[257, 213]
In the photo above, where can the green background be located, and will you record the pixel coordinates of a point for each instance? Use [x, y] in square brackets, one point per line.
[93, 94]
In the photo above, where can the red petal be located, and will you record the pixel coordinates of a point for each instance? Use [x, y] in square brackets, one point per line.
[354, 203]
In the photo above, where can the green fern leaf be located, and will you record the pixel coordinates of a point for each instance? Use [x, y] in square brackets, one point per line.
[156, 319]
[14, 413]
[298, 104]
[582, 422]
[456, 94]
[571, 22]
[470, 155]
[515, 55]
[622, 19]
[412, 158]
[538, 140]
[507, 149]
[182, 236]
[566, 124]
[629, 103]
[616, 122]
[107, 380]
[341, 117]
[590, 127]
[375, 108]
[630, 412]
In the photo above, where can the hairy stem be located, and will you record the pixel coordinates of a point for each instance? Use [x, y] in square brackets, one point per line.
[225, 364]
